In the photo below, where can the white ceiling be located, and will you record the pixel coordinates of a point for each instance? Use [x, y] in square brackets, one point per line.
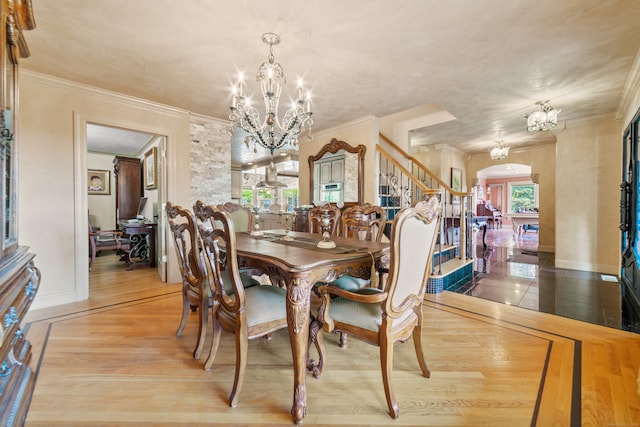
[110, 140]
[486, 62]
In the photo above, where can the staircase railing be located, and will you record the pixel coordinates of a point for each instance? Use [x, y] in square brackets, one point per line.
[400, 186]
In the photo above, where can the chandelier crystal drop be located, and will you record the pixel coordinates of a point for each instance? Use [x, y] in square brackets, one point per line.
[271, 131]
[499, 151]
[543, 118]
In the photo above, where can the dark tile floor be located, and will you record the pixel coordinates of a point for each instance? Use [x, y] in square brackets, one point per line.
[511, 271]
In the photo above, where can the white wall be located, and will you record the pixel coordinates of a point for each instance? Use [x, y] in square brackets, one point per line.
[103, 206]
[589, 159]
[52, 173]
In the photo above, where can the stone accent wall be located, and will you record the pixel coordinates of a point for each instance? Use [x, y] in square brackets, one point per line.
[350, 177]
[210, 155]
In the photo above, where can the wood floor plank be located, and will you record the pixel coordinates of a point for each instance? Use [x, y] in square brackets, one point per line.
[115, 360]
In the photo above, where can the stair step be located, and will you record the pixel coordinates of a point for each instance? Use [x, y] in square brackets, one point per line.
[455, 273]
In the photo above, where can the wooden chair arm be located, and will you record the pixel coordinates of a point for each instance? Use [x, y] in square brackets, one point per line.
[328, 289]
[113, 233]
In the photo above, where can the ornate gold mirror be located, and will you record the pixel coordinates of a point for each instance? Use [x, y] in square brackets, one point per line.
[336, 173]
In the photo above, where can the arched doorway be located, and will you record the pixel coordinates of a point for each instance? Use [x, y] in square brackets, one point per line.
[512, 189]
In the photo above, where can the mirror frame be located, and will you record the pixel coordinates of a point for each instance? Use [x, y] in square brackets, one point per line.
[333, 147]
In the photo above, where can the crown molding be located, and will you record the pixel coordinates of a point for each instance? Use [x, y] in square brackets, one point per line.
[202, 118]
[94, 92]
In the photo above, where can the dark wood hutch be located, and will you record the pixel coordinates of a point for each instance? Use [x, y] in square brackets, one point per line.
[19, 278]
[128, 173]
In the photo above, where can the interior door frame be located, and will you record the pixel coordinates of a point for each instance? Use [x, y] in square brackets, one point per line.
[81, 221]
[630, 220]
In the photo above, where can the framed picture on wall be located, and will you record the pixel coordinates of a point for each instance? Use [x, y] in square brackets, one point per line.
[456, 183]
[150, 170]
[99, 181]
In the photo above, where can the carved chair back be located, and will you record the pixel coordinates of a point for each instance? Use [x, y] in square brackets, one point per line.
[364, 222]
[182, 227]
[249, 312]
[316, 215]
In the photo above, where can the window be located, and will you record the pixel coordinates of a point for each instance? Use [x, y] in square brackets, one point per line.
[523, 197]
[291, 198]
[247, 196]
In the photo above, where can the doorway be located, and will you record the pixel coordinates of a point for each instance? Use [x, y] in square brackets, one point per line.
[501, 187]
[97, 141]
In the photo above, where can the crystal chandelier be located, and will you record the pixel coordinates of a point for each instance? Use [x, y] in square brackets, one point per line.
[499, 152]
[543, 118]
[271, 132]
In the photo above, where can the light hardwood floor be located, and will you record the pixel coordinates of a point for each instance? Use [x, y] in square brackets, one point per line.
[115, 360]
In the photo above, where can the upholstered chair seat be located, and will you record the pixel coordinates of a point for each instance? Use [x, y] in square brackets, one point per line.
[265, 303]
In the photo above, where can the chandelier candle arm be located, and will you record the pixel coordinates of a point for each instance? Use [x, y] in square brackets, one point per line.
[271, 132]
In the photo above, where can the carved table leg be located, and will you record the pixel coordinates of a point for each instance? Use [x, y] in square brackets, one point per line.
[298, 319]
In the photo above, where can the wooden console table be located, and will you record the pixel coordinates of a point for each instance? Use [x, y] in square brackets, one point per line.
[143, 243]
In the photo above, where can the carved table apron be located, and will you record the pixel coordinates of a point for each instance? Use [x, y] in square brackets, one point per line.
[300, 267]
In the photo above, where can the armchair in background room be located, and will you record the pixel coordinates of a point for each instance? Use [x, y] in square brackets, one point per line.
[108, 240]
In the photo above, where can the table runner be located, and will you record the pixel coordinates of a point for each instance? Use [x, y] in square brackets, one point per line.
[307, 243]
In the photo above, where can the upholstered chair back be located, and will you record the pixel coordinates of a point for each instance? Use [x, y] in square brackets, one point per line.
[413, 237]
[241, 217]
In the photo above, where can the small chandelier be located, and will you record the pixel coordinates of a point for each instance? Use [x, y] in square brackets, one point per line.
[543, 118]
[271, 132]
[499, 152]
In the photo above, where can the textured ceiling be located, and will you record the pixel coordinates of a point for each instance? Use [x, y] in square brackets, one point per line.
[485, 62]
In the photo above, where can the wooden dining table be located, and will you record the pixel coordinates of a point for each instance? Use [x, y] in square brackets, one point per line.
[299, 264]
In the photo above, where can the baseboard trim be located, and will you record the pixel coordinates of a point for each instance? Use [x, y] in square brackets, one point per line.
[586, 266]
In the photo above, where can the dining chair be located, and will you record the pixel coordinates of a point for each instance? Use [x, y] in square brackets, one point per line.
[242, 217]
[248, 313]
[363, 222]
[395, 314]
[316, 215]
[182, 227]
[195, 288]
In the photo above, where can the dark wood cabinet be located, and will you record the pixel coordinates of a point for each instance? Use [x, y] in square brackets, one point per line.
[128, 173]
[302, 219]
[19, 278]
